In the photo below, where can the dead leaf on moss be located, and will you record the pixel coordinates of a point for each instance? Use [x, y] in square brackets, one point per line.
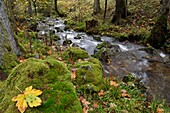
[113, 83]
[85, 110]
[125, 95]
[160, 110]
[95, 105]
[73, 74]
[50, 52]
[123, 91]
[101, 93]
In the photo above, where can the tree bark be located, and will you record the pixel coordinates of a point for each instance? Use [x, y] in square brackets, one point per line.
[120, 12]
[29, 8]
[56, 9]
[35, 6]
[105, 10]
[11, 13]
[159, 31]
[7, 41]
[97, 8]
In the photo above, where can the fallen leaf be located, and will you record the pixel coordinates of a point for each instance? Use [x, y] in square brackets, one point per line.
[113, 83]
[29, 96]
[125, 95]
[85, 110]
[21, 102]
[101, 93]
[113, 105]
[81, 98]
[85, 103]
[160, 110]
[123, 91]
[73, 74]
[95, 105]
[50, 52]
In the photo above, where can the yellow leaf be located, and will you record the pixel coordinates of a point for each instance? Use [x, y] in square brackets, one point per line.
[33, 101]
[30, 91]
[21, 102]
[29, 96]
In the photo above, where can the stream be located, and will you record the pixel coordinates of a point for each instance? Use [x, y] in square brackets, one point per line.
[151, 65]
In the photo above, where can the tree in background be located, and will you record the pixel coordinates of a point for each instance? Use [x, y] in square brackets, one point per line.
[105, 9]
[56, 9]
[120, 12]
[29, 7]
[159, 31]
[97, 7]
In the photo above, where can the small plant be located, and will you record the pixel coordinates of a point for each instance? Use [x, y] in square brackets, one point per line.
[29, 96]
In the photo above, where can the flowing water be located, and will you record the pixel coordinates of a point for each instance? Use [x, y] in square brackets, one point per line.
[153, 66]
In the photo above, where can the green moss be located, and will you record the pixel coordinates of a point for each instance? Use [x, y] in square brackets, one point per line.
[7, 45]
[75, 54]
[8, 62]
[90, 75]
[50, 76]
[62, 99]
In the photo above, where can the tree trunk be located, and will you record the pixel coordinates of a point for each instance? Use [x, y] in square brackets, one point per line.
[56, 9]
[105, 10]
[35, 6]
[159, 31]
[97, 8]
[120, 12]
[11, 13]
[7, 41]
[29, 7]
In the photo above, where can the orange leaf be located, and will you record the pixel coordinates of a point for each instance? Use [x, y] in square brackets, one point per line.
[160, 110]
[101, 93]
[85, 110]
[95, 105]
[85, 103]
[125, 95]
[73, 74]
[113, 83]
[50, 52]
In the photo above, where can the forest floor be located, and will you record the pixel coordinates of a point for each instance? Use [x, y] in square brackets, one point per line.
[120, 96]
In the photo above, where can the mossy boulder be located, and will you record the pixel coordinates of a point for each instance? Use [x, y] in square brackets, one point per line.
[89, 75]
[8, 62]
[75, 54]
[50, 76]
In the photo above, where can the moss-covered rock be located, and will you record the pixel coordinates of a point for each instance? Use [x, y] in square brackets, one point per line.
[50, 76]
[90, 75]
[8, 62]
[75, 54]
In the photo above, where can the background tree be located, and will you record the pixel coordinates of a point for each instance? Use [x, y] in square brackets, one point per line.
[105, 9]
[159, 31]
[56, 9]
[120, 12]
[30, 7]
[97, 7]
[35, 5]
